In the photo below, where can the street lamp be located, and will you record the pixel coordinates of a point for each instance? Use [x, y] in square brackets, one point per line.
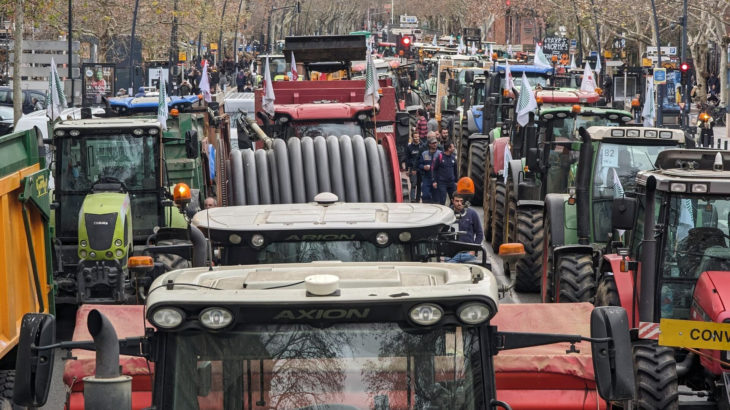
[270, 44]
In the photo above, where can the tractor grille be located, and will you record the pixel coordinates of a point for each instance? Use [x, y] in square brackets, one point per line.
[100, 229]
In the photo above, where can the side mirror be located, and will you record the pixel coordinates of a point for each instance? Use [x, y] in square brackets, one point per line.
[192, 146]
[612, 359]
[623, 213]
[33, 367]
[469, 76]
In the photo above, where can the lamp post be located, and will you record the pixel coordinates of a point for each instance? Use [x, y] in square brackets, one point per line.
[131, 47]
[220, 33]
[70, 51]
[235, 38]
[685, 92]
[659, 88]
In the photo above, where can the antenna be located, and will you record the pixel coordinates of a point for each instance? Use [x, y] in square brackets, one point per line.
[210, 244]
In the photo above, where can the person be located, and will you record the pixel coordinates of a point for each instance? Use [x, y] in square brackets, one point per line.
[140, 92]
[37, 105]
[186, 88]
[210, 202]
[215, 78]
[443, 170]
[713, 85]
[240, 81]
[444, 136]
[608, 88]
[424, 166]
[433, 125]
[704, 124]
[470, 229]
[413, 153]
[422, 124]
[122, 92]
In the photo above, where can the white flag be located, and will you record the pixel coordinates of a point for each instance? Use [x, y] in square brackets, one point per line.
[526, 103]
[451, 40]
[473, 49]
[253, 68]
[540, 59]
[509, 82]
[648, 112]
[55, 99]
[268, 97]
[491, 53]
[598, 65]
[294, 74]
[618, 189]
[509, 50]
[507, 159]
[572, 62]
[162, 104]
[462, 47]
[371, 82]
[686, 218]
[588, 83]
[205, 83]
[433, 41]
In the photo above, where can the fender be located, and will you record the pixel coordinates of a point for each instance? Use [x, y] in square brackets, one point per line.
[579, 249]
[554, 212]
[477, 136]
[498, 154]
[525, 203]
[515, 169]
[570, 221]
[624, 285]
[388, 142]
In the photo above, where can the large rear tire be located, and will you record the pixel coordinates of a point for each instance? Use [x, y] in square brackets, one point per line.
[172, 261]
[476, 168]
[7, 382]
[607, 292]
[500, 205]
[656, 377]
[547, 284]
[530, 232]
[576, 277]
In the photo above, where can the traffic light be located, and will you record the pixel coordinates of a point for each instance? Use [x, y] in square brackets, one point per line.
[404, 45]
[684, 70]
[406, 42]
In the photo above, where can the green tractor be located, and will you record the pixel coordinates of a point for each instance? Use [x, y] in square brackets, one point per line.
[112, 200]
[577, 231]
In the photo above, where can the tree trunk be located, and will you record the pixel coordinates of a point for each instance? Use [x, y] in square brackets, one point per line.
[722, 73]
[17, 54]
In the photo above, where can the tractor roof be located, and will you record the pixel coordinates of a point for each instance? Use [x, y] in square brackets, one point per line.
[323, 110]
[125, 122]
[584, 110]
[527, 69]
[284, 284]
[660, 136]
[567, 96]
[313, 221]
[690, 171]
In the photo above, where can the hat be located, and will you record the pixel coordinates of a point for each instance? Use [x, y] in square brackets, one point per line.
[433, 140]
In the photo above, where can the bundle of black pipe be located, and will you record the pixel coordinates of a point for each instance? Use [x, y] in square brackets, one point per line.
[353, 168]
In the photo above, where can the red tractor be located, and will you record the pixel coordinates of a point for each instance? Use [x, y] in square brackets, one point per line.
[675, 270]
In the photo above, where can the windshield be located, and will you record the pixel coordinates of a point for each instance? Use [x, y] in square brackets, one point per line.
[343, 366]
[277, 66]
[695, 241]
[614, 174]
[83, 160]
[326, 129]
[534, 80]
[346, 251]
[567, 127]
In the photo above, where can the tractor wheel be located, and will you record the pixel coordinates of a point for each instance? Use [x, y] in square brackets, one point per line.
[511, 216]
[547, 287]
[576, 278]
[7, 381]
[488, 205]
[607, 292]
[476, 166]
[464, 160]
[172, 261]
[656, 377]
[530, 232]
[500, 197]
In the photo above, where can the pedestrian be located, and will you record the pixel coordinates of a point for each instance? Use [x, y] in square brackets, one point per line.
[215, 79]
[422, 124]
[470, 228]
[424, 166]
[240, 81]
[413, 155]
[444, 136]
[185, 88]
[443, 173]
[140, 92]
[608, 88]
[433, 125]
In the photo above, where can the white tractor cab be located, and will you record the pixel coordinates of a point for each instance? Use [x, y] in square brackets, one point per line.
[324, 335]
[331, 230]
[238, 106]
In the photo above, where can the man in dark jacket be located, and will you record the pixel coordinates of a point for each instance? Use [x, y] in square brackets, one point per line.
[443, 172]
[470, 227]
[413, 156]
[428, 193]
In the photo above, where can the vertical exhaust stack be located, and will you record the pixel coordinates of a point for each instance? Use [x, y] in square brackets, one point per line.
[107, 388]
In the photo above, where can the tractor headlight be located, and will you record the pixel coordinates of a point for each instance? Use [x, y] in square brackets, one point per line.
[119, 253]
[118, 242]
[74, 133]
[426, 314]
[216, 318]
[83, 243]
[257, 240]
[473, 313]
[167, 317]
[381, 238]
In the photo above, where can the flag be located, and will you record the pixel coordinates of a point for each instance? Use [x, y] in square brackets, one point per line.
[598, 65]
[507, 159]
[268, 97]
[294, 74]
[473, 49]
[509, 82]
[686, 218]
[509, 50]
[462, 47]
[371, 82]
[572, 62]
[526, 103]
[588, 83]
[648, 112]
[162, 104]
[618, 189]
[433, 41]
[451, 40]
[540, 59]
[205, 83]
[55, 98]
[253, 68]
[491, 52]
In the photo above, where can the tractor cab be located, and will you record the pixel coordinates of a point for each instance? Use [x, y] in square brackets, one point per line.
[677, 266]
[330, 230]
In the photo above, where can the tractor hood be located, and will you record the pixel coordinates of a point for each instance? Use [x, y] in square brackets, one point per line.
[322, 111]
[711, 297]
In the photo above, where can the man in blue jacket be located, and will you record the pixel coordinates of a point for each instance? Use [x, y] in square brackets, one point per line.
[428, 194]
[443, 172]
[470, 227]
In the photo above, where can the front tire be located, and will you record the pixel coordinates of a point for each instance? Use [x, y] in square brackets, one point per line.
[607, 292]
[577, 282]
[500, 204]
[476, 167]
[656, 377]
[530, 232]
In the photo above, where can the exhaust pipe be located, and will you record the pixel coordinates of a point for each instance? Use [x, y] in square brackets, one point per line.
[200, 247]
[268, 141]
[106, 389]
[582, 188]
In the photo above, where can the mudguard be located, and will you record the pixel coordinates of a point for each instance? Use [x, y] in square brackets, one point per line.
[554, 212]
[497, 154]
[624, 285]
[474, 119]
[574, 249]
[515, 173]
[530, 204]
[474, 137]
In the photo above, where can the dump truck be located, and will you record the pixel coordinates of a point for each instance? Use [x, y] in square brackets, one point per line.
[26, 284]
[671, 274]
